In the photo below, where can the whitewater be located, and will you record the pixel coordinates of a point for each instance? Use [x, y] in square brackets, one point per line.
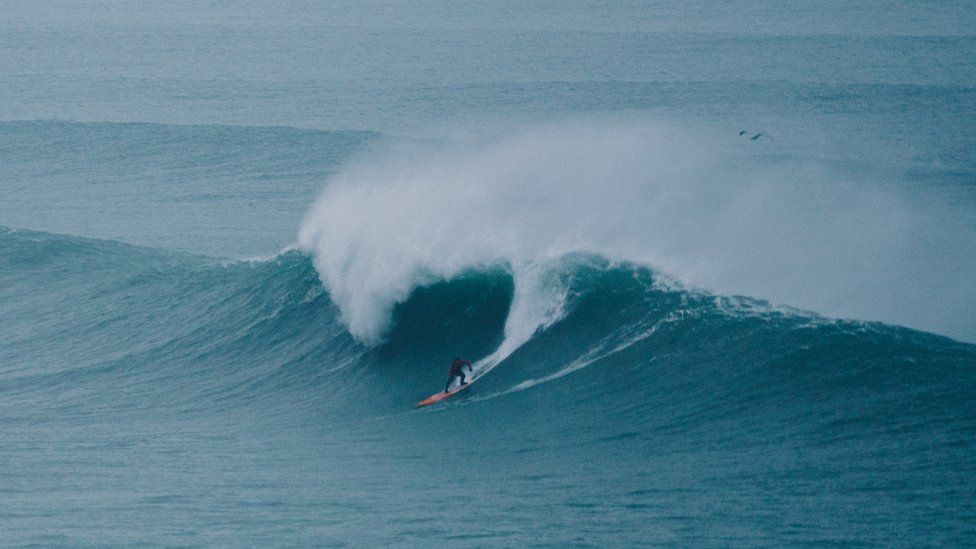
[696, 207]
[714, 265]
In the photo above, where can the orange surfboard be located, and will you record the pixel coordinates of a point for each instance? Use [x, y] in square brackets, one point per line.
[440, 397]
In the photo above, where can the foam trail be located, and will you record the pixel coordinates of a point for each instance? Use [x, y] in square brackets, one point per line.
[599, 352]
[694, 204]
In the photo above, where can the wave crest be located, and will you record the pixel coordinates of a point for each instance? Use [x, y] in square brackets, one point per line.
[711, 210]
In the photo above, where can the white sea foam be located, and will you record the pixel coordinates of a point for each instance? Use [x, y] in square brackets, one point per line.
[699, 205]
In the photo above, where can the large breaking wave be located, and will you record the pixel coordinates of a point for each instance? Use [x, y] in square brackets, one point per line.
[144, 330]
[712, 211]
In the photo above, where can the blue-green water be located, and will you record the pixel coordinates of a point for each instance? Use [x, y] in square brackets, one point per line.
[237, 244]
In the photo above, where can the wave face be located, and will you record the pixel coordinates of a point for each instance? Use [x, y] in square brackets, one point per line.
[641, 401]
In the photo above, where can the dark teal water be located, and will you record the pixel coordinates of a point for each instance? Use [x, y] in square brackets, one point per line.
[181, 400]
[698, 338]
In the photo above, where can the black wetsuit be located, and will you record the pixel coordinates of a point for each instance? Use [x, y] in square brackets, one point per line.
[457, 370]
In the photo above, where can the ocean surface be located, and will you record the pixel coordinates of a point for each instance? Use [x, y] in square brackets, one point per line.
[715, 264]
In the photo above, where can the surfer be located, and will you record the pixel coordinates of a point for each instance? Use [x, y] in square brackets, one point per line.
[457, 370]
